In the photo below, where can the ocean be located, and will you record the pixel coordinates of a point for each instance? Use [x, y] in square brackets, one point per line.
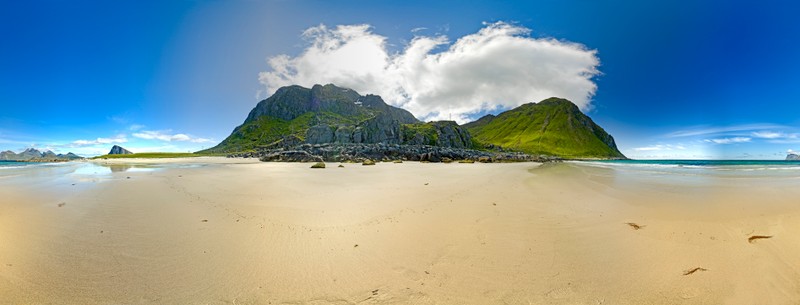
[14, 164]
[719, 168]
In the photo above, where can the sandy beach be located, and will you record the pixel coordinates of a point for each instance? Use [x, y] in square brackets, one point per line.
[238, 231]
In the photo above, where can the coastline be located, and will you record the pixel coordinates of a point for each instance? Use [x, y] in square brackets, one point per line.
[225, 230]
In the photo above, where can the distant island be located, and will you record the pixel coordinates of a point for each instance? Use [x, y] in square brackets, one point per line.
[333, 123]
[792, 157]
[34, 155]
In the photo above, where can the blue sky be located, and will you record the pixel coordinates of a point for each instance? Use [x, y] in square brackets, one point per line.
[675, 79]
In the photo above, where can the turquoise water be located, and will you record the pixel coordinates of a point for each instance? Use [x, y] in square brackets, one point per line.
[704, 168]
[15, 164]
[709, 163]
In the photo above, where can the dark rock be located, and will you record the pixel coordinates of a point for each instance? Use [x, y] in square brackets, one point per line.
[318, 165]
[793, 157]
[291, 156]
[345, 153]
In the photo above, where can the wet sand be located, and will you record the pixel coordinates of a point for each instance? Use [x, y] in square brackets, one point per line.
[232, 231]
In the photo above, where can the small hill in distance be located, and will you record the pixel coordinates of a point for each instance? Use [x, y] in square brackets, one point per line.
[118, 150]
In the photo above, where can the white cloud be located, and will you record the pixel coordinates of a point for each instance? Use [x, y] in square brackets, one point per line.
[500, 66]
[728, 140]
[767, 134]
[701, 131]
[115, 140]
[649, 148]
[661, 147]
[135, 127]
[167, 137]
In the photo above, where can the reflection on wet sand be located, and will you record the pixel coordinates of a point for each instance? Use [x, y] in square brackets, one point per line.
[116, 168]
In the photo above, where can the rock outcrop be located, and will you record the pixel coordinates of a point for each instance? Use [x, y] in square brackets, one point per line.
[792, 157]
[118, 150]
[333, 152]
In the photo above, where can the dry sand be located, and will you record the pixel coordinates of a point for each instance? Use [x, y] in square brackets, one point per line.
[226, 231]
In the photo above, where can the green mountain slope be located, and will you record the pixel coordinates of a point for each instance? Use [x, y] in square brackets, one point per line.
[551, 127]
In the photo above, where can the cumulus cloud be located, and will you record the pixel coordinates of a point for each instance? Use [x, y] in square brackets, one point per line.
[168, 137]
[498, 67]
[728, 140]
[115, 140]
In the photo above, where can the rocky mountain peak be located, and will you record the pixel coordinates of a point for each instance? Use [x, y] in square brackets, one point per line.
[118, 150]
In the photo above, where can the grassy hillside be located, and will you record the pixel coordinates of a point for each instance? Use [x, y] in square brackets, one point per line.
[552, 127]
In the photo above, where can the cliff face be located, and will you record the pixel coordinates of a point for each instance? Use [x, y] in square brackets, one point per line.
[330, 114]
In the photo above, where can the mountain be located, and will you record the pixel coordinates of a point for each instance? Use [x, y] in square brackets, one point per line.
[330, 114]
[7, 155]
[792, 157]
[70, 156]
[30, 153]
[34, 155]
[553, 126]
[118, 150]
